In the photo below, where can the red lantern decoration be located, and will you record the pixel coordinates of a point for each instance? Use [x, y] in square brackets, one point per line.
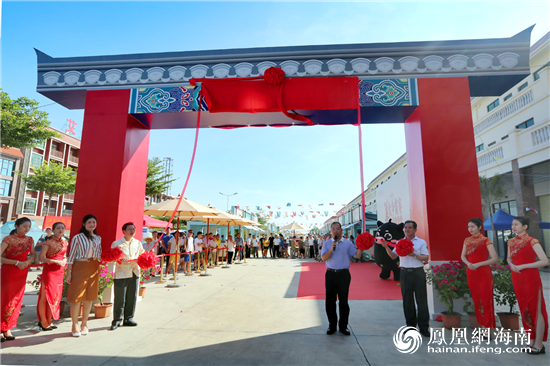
[404, 247]
[365, 241]
[147, 260]
[274, 75]
[111, 255]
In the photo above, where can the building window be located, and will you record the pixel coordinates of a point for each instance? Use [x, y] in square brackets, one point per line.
[36, 160]
[479, 148]
[508, 207]
[526, 124]
[508, 97]
[491, 144]
[536, 74]
[504, 137]
[30, 206]
[5, 187]
[523, 87]
[493, 105]
[41, 145]
[7, 167]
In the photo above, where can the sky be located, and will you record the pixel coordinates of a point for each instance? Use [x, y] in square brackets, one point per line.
[264, 166]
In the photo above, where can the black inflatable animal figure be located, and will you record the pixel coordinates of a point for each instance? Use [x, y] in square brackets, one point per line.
[390, 232]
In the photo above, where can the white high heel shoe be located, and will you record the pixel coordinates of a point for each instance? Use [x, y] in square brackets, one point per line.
[76, 334]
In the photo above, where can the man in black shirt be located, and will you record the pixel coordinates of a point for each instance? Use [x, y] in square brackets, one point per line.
[271, 252]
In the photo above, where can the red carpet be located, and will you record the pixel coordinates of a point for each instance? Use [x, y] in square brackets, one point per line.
[365, 283]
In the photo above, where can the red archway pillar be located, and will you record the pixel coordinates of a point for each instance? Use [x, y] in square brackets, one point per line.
[442, 165]
[112, 167]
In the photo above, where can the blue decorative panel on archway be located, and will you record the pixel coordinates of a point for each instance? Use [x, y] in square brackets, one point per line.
[388, 93]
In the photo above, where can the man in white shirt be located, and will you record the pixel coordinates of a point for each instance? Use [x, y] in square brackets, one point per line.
[126, 278]
[311, 247]
[211, 243]
[276, 243]
[188, 258]
[174, 244]
[413, 280]
[199, 247]
[248, 246]
[255, 243]
[223, 249]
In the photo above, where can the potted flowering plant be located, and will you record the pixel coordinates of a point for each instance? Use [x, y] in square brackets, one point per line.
[451, 283]
[145, 275]
[36, 282]
[103, 310]
[505, 295]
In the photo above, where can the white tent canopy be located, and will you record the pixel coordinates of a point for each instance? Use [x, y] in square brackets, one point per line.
[295, 227]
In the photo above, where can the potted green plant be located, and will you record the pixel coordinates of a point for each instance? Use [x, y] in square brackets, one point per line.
[103, 310]
[450, 282]
[505, 295]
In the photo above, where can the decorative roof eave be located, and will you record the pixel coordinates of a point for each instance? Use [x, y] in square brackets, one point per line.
[471, 58]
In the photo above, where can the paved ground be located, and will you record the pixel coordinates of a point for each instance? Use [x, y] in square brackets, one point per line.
[245, 315]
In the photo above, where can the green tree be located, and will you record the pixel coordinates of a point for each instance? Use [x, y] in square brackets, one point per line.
[262, 219]
[492, 190]
[23, 125]
[183, 223]
[157, 180]
[52, 179]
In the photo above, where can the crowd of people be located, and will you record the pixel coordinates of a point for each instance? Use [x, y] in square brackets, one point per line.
[200, 251]
[195, 251]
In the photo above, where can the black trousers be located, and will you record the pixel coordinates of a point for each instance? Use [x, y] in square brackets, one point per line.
[276, 251]
[126, 294]
[311, 252]
[337, 285]
[229, 257]
[413, 286]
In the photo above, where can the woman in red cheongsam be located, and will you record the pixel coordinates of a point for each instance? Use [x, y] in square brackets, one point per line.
[51, 285]
[478, 253]
[523, 252]
[15, 250]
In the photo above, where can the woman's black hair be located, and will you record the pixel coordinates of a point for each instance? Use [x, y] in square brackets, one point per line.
[523, 220]
[57, 224]
[20, 221]
[83, 228]
[477, 222]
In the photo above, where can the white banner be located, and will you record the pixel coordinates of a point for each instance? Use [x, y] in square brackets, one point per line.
[392, 198]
